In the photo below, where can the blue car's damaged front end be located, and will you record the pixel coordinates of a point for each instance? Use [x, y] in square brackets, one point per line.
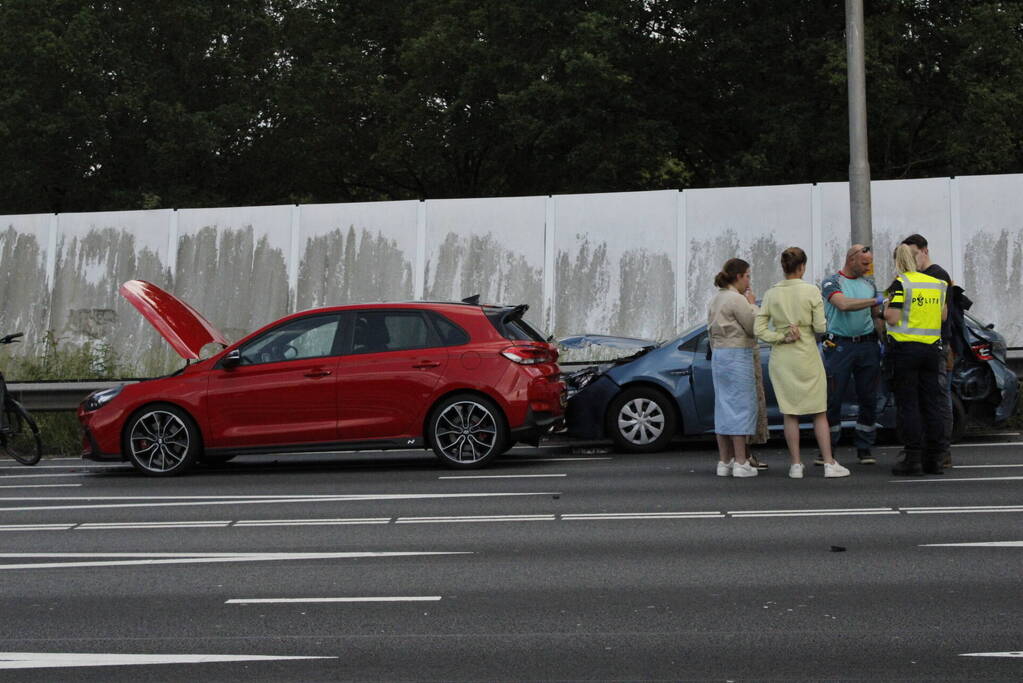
[641, 393]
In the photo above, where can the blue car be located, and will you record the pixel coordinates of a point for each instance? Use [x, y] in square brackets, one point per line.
[655, 391]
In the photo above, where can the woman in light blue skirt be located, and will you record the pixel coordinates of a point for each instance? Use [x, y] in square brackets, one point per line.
[732, 342]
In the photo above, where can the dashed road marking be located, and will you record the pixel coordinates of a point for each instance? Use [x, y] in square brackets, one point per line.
[502, 476]
[39, 486]
[557, 459]
[987, 544]
[978, 467]
[67, 660]
[145, 559]
[565, 517]
[313, 522]
[271, 601]
[185, 501]
[934, 480]
[475, 518]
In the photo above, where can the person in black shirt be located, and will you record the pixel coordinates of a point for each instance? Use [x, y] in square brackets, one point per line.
[918, 244]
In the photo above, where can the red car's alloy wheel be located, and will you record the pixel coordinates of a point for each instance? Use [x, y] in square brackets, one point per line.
[467, 432]
[161, 441]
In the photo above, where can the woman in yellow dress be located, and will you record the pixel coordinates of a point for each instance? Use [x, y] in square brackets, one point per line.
[791, 312]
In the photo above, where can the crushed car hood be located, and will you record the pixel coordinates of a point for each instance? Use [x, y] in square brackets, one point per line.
[582, 341]
[184, 328]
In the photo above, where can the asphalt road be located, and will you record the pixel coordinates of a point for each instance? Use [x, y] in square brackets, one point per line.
[550, 565]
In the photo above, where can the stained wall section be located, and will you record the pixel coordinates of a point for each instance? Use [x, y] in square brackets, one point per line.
[615, 264]
[491, 247]
[95, 253]
[24, 287]
[752, 223]
[232, 264]
[991, 233]
[351, 253]
[636, 264]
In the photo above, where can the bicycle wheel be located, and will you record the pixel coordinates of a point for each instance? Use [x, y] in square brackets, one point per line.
[22, 441]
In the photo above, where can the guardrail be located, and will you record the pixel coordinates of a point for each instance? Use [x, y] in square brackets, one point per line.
[1015, 361]
[58, 395]
[66, 395]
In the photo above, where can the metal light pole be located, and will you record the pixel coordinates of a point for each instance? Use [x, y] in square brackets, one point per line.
[859, 166]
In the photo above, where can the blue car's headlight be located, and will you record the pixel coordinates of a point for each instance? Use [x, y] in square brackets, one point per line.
[98, 399]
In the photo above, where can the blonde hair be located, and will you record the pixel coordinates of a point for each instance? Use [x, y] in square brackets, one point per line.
[905, 262]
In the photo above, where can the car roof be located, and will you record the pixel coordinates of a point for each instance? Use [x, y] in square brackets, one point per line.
[452, 306]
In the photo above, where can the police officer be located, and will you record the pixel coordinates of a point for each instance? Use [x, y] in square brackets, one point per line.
[914, 315]
[851, 351]
[918, 244]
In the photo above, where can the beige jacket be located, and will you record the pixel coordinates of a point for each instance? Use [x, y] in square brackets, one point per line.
[730, 321]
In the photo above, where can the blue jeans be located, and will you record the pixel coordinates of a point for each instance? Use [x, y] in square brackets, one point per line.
[860, 363]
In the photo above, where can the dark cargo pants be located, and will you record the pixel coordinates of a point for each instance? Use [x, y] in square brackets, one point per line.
[860, 363]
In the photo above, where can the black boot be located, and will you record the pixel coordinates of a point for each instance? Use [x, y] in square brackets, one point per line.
[933, 465]
[910, 465]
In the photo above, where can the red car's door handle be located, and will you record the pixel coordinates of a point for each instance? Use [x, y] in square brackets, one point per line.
[317, 373]
[426, 364]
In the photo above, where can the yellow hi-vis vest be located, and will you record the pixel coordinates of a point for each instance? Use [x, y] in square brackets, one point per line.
[922, 298]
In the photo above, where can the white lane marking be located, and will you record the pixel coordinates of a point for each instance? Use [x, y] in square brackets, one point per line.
[642, 515]
[503, 476]
[977, 467]
[5, 477]
[312, 522]
[53, 660]
[40, 486]
[151, 525]
[557, 459]
[993, 443]
[821, 510]
[932, 480]
[957, 507]
[816, 514]
[992, 654]
[260, 501]
[67, 467]
[195, 558]
[989, 544]
[36, 527]
[955, 510]
[266, 601]
[475, 518]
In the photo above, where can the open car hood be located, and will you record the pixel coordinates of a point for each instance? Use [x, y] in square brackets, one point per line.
[182, 326]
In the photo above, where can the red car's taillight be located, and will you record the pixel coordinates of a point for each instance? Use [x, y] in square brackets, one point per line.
[982, 351]
[525, 354]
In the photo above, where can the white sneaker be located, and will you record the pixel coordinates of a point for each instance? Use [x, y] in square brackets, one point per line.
[725, 468]
[795, 471]
[835, 470]
[744, 470]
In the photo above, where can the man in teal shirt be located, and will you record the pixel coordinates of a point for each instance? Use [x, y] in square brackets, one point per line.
[851, 351]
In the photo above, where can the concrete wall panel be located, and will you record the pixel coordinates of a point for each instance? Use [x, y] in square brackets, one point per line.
[752, 223]
[900, 208]
[991, 220]
[96, 252]
[353, 253]
[232, 265]
[491, 247]
[615, 264]
[24, 291]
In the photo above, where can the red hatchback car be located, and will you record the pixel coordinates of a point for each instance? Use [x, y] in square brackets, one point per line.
[464, 379]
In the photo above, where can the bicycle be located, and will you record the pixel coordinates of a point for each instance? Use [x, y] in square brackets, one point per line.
[19, 437]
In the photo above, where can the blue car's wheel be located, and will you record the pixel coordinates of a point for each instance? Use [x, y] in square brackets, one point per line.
[641, 420]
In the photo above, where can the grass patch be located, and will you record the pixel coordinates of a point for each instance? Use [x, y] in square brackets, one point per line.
[61, 432]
